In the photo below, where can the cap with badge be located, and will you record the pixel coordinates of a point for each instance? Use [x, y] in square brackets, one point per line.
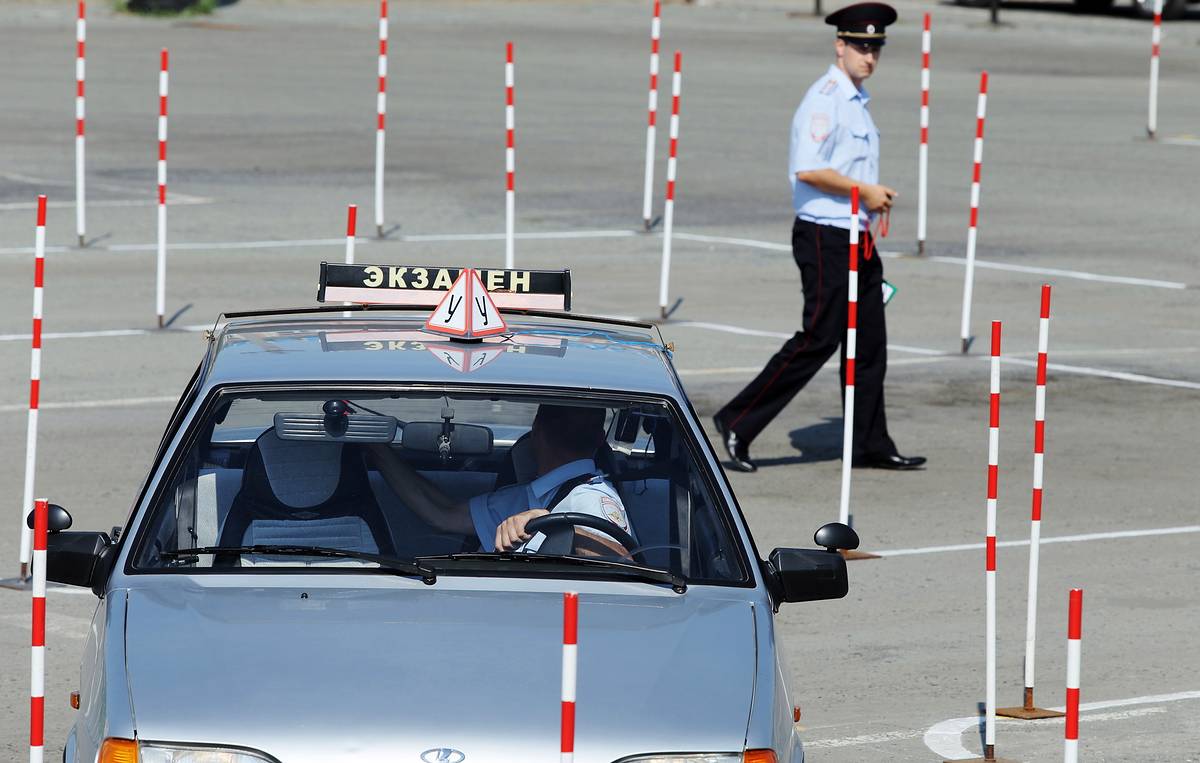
[863, 22]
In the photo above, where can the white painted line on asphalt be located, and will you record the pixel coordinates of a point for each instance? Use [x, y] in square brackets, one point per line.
[899, 735]
[104, 333]
[546, 236]
[746, 242]
[172, 201]
[584, 234]
[1076, 274]
[1105, 374]
[705, 325]
[743, 331]
[727, 329]
[1182, 530]
[1080, 370]
[1181, 140]
[1117, 351]
[718, 371]
[231, 245]
[945, 738]
[121, 402]
[986, 264]
[882, 737]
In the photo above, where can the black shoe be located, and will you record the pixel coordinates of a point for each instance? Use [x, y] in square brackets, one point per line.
[893, 461]
[738, 451]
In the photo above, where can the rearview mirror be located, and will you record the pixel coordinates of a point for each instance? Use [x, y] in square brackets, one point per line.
[447, 439]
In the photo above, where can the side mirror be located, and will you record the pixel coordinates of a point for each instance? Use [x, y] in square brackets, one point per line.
[58, 519]
[803, 574]
[76, 558]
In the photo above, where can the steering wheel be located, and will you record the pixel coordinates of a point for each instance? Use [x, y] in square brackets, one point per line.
[558, 541]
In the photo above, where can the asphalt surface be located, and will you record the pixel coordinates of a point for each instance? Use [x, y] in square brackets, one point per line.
[272, 134]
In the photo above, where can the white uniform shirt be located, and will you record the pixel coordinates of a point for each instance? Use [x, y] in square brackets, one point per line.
[598, 498]
[832, 129]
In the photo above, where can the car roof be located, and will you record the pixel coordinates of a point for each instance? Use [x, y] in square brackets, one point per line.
[566, 351]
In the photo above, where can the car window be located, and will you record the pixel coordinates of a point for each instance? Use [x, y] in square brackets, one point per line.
[430, 474]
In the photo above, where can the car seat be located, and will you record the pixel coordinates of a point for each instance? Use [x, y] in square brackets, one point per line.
[306, 493]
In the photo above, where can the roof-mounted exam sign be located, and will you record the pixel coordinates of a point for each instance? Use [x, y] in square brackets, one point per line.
[411, 286]
[467, 310]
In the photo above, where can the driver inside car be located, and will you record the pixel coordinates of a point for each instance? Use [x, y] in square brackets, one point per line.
[564, 440]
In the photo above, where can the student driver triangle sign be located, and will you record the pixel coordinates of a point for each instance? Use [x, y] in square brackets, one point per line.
[467, 311]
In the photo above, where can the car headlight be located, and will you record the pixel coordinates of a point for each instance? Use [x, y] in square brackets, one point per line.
[708, 757]
[156, 753]
[128, 751]
[749, 756]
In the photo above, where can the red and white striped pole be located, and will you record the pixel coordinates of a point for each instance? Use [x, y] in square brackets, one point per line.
[851, 352]
[655, 34]
[1074, 652]
[160, 289]
[1035, 525]
[510, 158]
[1155, 42]
[669, 208]
[35, 382]
[351, 233]
[993, 479]
[923, 151]
[80, 50]
[37, 671]
[381, 112]
[570, 661]
[981, 110]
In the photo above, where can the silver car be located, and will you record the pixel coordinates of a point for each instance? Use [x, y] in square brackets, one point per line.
[272, 597]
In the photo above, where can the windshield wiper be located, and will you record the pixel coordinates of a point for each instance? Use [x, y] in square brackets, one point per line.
[403, 566]
[652, 574]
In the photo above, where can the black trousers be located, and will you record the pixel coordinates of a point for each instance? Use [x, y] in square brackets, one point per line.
[822, 254]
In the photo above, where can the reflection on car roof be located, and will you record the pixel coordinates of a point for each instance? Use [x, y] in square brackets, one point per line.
[383, 348]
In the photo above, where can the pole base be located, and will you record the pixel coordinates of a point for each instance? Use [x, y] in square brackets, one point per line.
[82, 243]
[1150, 134]
[379, 231]
[1028, 713]
[160, 321]
[22, 582]
[920, 247]
[966, 344]
[852, 555]
[989, 756]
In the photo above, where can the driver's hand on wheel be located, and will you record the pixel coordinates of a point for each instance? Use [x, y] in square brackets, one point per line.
[511, 534]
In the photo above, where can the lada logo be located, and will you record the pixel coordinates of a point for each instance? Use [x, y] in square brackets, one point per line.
[443, 755]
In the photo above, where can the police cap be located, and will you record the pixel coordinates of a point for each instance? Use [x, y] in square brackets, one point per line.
[863, 22]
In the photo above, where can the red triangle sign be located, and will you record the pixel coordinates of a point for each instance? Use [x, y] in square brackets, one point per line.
[467, 311]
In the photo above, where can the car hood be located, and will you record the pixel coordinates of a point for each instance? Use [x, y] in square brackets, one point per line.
[387, 674]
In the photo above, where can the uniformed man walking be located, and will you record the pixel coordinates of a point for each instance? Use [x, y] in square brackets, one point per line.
[834, 147]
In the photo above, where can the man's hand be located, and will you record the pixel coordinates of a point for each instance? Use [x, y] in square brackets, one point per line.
[876, 198]
[511, 534]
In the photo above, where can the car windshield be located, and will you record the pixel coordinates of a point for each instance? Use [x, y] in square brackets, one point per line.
[443, 479]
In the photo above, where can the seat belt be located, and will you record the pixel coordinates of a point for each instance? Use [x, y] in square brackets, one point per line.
[565, 489]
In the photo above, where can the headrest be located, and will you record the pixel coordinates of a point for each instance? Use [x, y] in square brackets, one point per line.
[301, 474]
[524, 462]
